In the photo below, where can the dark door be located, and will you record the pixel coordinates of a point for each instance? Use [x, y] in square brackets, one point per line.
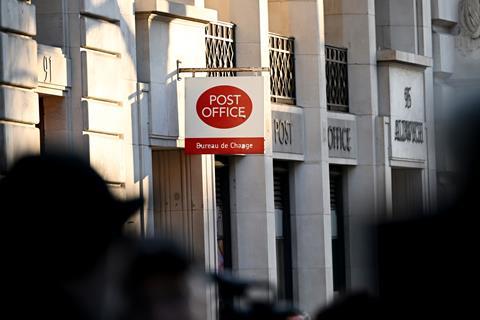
[338, 229]
[282, 229]
[222, 187]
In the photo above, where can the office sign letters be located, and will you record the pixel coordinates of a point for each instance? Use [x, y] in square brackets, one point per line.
[342, 138]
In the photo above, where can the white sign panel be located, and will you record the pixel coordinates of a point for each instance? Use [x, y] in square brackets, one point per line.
[224, 115]
[407, 113]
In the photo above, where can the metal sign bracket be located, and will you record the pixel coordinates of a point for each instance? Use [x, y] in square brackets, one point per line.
[257, 70]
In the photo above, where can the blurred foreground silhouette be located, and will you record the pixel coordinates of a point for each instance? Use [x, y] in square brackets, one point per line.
[64, 255]
[428, 265]
[61, 230]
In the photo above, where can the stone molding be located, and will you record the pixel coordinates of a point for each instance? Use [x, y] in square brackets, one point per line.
[175, 10]
[391, 55]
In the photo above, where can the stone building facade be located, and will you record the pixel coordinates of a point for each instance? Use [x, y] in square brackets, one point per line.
[353, 105]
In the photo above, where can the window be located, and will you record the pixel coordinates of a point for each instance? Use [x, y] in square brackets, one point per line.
[336, 71]
[282, 69]
[220, 47]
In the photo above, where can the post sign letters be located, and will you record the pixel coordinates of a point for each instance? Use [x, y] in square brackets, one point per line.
[287, 132]
[224, 115]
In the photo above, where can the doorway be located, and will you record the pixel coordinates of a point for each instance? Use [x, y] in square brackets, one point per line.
[53, 123]
[338, 228]
[407, 192]
[222, 194]
[281, 191]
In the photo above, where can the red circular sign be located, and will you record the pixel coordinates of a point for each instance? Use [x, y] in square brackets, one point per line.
[224, 107]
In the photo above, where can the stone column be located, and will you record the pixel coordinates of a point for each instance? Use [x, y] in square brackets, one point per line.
[252, 207]
[424, 27]
[397, 25]
[143, 169]
[311, 223]
[351, 24]
[451, 79]
[19, 111]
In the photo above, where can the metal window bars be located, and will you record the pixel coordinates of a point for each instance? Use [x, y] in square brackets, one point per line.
[336, 70]
[220, 48]
[282, 69]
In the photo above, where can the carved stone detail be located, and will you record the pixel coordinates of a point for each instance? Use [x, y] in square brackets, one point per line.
[468, 39]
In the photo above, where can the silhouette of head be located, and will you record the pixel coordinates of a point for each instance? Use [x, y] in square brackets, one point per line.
[58, 216]
[157, 282]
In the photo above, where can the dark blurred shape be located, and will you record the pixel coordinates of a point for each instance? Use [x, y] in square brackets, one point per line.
[58, 221]
[353, 306]
[230, 285]
[425, 266]
[238, 305]
[157, 283]
[428, 265]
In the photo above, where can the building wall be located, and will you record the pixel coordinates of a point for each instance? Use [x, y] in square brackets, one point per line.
[310, 199]
[95, 117]
[351, 24]
[99, 78]
[19, 111]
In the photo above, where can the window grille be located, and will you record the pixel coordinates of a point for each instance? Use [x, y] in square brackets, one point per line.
[337, 78]
[220, 47]
[282, 69]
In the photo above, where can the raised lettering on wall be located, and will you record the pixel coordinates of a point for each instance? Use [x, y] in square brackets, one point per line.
[47, 69]
[339, 138]
[282, 132]
[409, 131]
[287, 134]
